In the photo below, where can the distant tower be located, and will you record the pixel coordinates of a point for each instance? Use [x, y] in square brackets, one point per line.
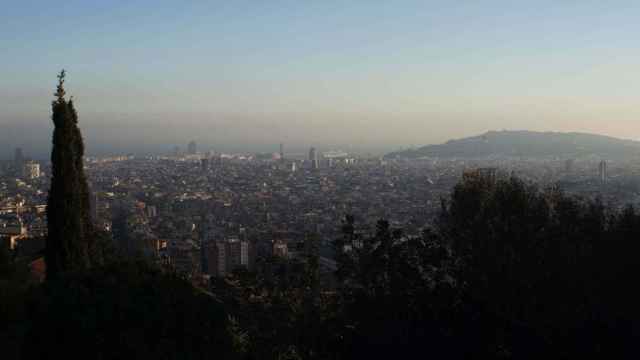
[602, 171]
[176, 151]
[18, 158]
[313, 158]
[192, 148]
[281, 152]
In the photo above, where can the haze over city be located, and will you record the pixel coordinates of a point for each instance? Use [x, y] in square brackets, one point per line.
[372, 76]
[319, 179]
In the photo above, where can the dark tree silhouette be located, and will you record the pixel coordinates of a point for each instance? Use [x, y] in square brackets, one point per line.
[68, 215]
[123, 310]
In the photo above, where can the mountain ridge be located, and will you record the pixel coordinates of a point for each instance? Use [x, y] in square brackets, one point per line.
[529, 144]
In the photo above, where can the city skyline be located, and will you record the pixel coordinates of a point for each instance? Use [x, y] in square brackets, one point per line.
[377, 76]
[330, 179]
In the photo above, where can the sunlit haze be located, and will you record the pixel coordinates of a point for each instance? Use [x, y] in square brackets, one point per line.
[360, 75]
[319, 179]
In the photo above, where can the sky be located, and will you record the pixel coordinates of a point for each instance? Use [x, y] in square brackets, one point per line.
[374, 75]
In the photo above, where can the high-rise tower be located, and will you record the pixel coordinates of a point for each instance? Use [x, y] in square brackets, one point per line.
[602, 171]
[192, 148]
[313, 158]
[18, 158]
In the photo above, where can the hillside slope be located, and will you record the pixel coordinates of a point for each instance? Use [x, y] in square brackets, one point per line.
[528, 144]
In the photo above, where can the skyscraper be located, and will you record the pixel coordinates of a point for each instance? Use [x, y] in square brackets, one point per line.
[192, 148]
[602, 171]
[281, 152]
[313, 158]
[18, 158]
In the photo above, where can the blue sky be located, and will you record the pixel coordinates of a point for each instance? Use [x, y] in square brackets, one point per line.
[371, 73]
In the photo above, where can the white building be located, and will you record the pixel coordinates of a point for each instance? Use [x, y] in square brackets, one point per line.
[31, 170]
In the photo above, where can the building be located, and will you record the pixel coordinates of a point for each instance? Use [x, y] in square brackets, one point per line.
[238, 254]
[183, 258]
[602, 171]
[192, 148]
[313, 158]
[216, 258]
[204, 164]
[18, 158]
[489, 174]
[31, 170]
[12, 230]
[228, 255]
[280, 249]
[329, 162]
[38, 227]
[152, 211]
[281, 152]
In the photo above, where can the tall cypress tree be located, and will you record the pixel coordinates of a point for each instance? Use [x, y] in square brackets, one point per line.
[68, 214]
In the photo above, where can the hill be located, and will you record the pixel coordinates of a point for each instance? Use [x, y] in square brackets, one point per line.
[528, 144]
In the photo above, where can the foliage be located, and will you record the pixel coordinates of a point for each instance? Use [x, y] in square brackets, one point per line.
[508, 271]
[401, 296]
[14, 286]
[70, 231]
[282, 309]
[545, 270]
[123, 310]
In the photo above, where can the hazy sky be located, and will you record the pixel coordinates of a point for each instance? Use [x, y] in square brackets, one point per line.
[371, 73]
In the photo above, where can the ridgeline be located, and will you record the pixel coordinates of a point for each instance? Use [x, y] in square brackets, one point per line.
[528, 144]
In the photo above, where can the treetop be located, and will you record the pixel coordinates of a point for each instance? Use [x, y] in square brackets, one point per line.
[60, 88]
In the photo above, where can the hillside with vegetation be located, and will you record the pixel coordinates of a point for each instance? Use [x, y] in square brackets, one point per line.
[528, 144]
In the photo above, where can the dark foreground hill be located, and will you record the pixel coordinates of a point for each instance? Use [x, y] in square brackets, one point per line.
[528, 144]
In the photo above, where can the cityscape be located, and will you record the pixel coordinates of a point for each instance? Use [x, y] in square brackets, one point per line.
[207, 214]
[319, 180]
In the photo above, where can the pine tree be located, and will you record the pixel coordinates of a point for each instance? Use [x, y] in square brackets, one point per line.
[68, 214]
